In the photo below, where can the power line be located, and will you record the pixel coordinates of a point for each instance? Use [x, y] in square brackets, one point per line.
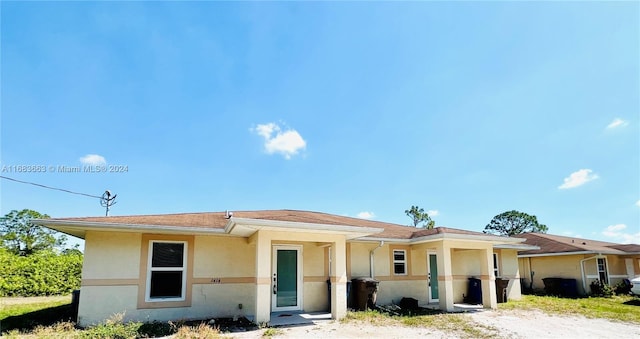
[51, 188]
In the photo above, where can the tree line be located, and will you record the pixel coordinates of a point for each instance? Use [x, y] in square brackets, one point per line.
[508, 223]
[35, 260]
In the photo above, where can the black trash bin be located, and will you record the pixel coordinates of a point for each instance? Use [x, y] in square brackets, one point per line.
[329, 293]
[569, 288]
[501, 290]
[474, 293]
[553, 286]
[365, 293]
[75, 302]
[349, 302]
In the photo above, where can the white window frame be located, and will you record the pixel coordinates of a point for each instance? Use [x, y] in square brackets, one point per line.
[606, 268]
[496, 265]
[151, 269]
[403, 261]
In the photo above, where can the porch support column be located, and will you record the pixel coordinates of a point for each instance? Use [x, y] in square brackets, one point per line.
[489, 299]
[445, 277]
[339, 279]
[263, 277]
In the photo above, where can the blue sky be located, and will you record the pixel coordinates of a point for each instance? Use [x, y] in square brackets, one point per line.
[467, 109]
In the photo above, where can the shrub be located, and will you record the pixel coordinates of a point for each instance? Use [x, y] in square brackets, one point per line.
[40, 274]
[623, 287]
[113, 328]
[601, 289]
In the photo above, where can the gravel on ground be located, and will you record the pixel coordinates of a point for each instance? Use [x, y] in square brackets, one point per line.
[508, 324]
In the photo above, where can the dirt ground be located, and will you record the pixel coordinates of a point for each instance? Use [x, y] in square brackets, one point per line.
[32, 300]
[509, 324]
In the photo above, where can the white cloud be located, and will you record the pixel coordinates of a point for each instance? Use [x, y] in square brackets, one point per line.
[366, 215]
[287, 143]
[433, 213]
[616, 227]
[638, 203]
[617, 122]
[93, 159]
[616, 232]
[578, 178]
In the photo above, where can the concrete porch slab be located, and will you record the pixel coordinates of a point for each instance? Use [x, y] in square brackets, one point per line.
[298, 318]
[431, 306]
[468, 307]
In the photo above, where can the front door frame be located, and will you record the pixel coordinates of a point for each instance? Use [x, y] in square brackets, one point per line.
[432, 279]
[299, 278]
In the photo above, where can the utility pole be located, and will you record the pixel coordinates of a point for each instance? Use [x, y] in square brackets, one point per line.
[107, 201]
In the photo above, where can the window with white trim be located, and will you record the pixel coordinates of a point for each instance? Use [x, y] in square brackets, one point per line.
[602, 270]
[496, 270]
[167, 271]
[399, 262]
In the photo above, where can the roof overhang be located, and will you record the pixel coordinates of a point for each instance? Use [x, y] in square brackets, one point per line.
[495, 240]
[245, 227]
[79, 228]
[235, 226]
[519, 247]
[559, 254]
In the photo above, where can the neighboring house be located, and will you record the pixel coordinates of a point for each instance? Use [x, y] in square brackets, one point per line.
[253, 263]
[576, 258]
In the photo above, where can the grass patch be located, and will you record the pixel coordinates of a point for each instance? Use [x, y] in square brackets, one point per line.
[270, 332]
[453, 323]
[201, 331]
[620, 308]
[33, 313]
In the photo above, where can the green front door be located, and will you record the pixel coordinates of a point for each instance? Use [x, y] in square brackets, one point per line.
[286, 278]
[433, 278]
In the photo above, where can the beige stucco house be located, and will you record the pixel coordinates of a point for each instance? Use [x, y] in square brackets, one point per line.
[256, 263]
[577, 258]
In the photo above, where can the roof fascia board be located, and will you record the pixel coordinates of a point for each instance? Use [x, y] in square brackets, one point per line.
[482, 238]
[522, 247]
[299, 225]
[115, 226]
[555, 254]
[450, 236]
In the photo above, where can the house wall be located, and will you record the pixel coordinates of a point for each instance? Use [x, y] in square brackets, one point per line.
[221, 275]
[392, 287]
[222, 278]
[617, 269]
[466, 263]
[509, 269]
[568, 266]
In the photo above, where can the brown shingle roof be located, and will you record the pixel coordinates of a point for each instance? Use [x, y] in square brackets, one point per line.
[218, 220]
[441, 230]
[549, 243]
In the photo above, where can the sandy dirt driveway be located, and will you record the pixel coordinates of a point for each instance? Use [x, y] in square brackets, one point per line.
[494, 324]
[535, 324]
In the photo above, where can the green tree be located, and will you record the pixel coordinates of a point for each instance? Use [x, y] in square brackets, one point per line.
[513, 222]
[21, 236]
[418, 216]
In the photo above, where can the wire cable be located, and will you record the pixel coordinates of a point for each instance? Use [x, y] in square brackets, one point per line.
[51, 188]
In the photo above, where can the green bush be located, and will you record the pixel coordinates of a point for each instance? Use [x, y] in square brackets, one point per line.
[601, 289]
[40, 274]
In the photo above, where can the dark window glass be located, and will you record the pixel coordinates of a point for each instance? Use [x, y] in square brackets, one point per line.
[398, 255]
[167, 254]
[398, 268]
[166, 285]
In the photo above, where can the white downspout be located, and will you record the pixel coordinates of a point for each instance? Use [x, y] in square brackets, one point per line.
[371, 258]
